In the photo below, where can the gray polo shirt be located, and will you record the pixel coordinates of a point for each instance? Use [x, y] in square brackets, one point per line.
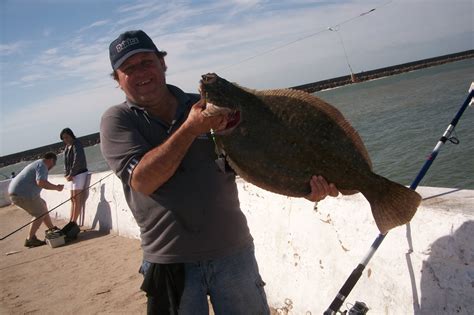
[196, 214]
[24, 184]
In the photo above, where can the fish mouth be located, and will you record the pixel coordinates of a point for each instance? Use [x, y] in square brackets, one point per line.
[208, 78]
[233, 120]
[233, 117]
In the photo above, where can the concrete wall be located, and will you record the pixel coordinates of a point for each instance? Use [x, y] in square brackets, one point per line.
[4, 199]
[305, 253]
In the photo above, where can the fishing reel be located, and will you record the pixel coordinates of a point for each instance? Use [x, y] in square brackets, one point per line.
[359, 308]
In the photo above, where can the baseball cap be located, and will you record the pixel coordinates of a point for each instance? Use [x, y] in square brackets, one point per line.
[129, 44]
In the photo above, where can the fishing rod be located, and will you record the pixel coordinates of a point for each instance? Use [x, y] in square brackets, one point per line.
[360, 308]
[84, 190]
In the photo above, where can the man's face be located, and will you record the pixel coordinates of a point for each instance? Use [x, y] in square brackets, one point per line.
[142, 78]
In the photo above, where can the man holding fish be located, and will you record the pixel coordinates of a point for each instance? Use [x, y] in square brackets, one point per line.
[195, 238]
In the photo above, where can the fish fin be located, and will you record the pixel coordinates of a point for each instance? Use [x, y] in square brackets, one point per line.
[329, 110]
[392, 204]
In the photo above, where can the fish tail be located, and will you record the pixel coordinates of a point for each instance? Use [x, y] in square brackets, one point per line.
[392, 204]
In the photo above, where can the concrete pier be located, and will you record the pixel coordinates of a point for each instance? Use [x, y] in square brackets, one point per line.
[306, 252]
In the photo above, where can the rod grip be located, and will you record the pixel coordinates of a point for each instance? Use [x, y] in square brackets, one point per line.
[345, 290]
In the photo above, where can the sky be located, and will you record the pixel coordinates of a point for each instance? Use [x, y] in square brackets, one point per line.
[55, 69]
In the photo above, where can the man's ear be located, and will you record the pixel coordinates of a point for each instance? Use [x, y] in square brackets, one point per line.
[118, 82]
[163, 64]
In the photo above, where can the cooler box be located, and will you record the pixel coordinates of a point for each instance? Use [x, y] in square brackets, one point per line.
[55, 239]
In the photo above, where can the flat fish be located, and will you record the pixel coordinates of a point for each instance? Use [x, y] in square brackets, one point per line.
[277, 139]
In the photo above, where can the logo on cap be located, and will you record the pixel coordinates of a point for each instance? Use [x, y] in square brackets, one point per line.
[125, 43]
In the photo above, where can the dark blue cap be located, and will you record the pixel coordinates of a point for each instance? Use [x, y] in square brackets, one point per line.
[127, 45]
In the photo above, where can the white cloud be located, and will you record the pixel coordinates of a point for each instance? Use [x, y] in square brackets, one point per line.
[93, 25]
[51, 51]
[244, 5]
[139, 6]
[9, 49]
[31, 77]
[223, 43]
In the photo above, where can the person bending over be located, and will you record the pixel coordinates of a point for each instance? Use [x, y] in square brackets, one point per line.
[24, 191]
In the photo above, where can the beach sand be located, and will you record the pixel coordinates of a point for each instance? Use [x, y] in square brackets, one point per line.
[96, 274]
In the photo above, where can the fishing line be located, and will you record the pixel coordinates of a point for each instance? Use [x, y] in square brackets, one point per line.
[84, 190]
[338, 25]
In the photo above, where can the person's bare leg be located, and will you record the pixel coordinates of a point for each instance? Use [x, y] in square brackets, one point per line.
[34, 226]
[76, 204]
[81, 201]
[47, 221]
[73, 200]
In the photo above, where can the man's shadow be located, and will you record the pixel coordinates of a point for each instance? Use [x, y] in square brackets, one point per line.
[103, 215]
[447, 280]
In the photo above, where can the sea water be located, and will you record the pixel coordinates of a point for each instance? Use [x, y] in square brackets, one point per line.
[400, 119]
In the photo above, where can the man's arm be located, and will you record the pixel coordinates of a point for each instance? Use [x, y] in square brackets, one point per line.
[78, 160]
[47, 185]
[66, 172]
[159, 164]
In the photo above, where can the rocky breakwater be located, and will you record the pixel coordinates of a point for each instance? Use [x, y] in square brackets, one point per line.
[34, 154]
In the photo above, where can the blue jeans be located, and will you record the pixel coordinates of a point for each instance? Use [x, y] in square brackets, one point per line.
[232, 282]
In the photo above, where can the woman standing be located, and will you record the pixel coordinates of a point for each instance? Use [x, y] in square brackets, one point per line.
[75, 167]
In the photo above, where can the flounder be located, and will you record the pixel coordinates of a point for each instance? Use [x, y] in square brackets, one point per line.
[277, 139]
